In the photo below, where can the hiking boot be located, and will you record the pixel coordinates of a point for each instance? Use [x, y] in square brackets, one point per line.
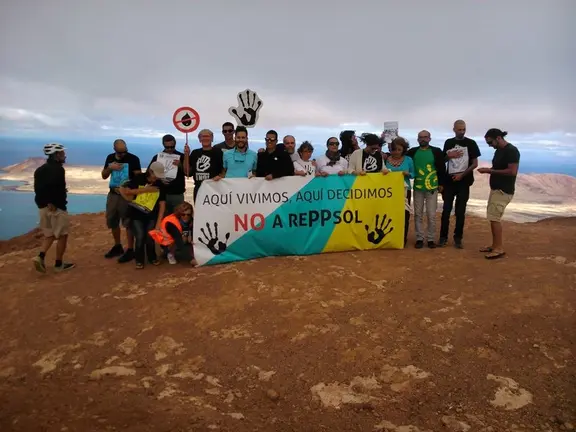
[116, 251]
[39, 264]
[419, 244]
[431, 245]
[442, 242]
[458, 244]
[127, 257]
[64, 267]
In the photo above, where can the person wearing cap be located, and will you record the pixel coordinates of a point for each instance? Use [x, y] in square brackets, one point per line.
[120, 167]
[146, 196]
[50, 195]
[503, 175]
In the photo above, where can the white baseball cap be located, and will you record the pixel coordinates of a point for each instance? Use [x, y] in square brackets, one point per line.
[157, 169]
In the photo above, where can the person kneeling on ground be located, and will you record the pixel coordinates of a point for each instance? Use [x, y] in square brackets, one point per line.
[146, 196]
[175, 235]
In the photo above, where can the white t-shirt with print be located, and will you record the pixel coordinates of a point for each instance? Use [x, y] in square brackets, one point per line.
[306, 166]
[322, 165]
[458, 165]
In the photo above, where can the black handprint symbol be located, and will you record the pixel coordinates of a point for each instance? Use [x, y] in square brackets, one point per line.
[249, 105]
[212, 242]
[380, 227]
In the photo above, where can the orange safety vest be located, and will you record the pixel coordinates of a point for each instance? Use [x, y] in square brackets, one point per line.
[161, 236]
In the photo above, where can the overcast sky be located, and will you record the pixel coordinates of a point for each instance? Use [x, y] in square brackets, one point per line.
[101, 67]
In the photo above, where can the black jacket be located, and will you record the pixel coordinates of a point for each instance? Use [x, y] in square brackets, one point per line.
[439, 162]
[50, 185]
[278, 163]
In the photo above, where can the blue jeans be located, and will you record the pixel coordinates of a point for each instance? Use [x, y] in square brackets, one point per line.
[144, 245]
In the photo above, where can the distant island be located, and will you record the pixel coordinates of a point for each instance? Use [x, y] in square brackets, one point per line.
[538, 196]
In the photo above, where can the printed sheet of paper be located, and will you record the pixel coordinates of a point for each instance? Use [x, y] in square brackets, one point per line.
[390, 131]
[167, 160]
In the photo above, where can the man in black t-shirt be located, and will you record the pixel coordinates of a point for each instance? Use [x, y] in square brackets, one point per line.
[204, 163]
[274, 162]
[175, 182]
[146, 197]
[120, 166]
[462, 155]
[502, 186]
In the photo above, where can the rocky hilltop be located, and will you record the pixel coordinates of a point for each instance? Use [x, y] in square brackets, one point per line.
[393, 341]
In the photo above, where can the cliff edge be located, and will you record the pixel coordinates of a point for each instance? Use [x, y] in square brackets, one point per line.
[418, 340]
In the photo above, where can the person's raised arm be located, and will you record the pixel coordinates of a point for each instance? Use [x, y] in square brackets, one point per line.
[107, 170]
[186, 160]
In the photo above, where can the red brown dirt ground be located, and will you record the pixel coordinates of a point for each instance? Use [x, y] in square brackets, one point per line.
[396, 341]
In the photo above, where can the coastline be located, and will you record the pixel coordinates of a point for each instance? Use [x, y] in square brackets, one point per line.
[86, 180]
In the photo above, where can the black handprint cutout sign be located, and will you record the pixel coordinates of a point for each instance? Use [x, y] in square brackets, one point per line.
[380, 230]
[247, 111]
[212, 242]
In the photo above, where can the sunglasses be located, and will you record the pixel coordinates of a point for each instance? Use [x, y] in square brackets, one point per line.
[227, 130]
[121, 152]
[333, 143]
[169, 147]
[271, 139]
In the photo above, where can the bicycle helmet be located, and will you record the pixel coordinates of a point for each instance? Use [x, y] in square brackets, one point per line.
[52, 148]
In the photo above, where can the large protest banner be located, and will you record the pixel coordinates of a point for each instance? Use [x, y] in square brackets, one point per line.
[241, 219]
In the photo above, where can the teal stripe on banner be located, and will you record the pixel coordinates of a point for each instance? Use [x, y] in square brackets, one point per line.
[287, 240]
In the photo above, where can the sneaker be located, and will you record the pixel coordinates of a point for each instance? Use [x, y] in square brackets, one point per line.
[64, 267]
[442, 242]
[458, 244]
[431, 245]
[419, 244]
[171, 259]
[39, 264]
[127, 257]
[116, 251]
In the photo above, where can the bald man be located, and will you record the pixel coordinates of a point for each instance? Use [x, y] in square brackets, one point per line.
[430, 169]
[120, 167]
[462, 155]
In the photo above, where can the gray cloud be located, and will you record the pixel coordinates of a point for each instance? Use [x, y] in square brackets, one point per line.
[425, 64]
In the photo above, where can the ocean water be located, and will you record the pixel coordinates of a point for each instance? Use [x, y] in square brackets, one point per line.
[19, 214]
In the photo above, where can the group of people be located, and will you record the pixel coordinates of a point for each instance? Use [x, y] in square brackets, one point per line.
[150, 205]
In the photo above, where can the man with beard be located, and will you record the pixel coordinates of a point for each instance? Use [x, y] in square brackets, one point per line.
[240, 162]
[503, 174]
[120, 166]
[462, 154]
[203, 163]
[430, 168]
[175, 182]
[274, 162]
[290, 147]
[228, 143]
[369, 159]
